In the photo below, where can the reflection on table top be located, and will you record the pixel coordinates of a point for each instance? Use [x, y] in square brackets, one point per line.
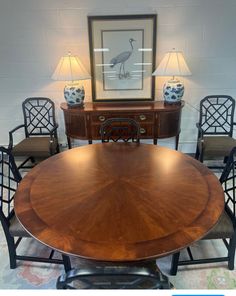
[119, 201]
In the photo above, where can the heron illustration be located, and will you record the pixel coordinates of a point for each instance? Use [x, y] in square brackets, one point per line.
[121, 59]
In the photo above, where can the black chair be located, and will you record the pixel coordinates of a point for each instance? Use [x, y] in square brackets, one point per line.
[215, 128]
[14, 232]
[225, 229]
[114, 277]
[120, 129]
[40, 129]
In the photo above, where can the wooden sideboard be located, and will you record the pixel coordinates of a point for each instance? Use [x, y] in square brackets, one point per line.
[157, 120]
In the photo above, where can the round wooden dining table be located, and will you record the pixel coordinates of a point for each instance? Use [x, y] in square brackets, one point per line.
[119, 202]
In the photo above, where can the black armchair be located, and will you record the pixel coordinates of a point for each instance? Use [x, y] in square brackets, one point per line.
[14, 232]
[120, 129]
[215, 128]
[225, 229]
[40, 130]
[122, 276]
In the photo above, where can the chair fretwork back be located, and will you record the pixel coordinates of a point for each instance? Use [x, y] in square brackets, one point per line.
[216, 115]
[113, 278]
[39, 116]
[120, 129]
[228, 180]
[9, 179]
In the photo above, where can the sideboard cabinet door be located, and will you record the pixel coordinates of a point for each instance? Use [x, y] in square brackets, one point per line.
[75, 125]
[168, 124]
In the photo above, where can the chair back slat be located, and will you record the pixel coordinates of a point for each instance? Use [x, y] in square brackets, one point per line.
[117, 277]
[39, 116]
[120, 129]
[217, 115]
[9, 179]
[228, 180]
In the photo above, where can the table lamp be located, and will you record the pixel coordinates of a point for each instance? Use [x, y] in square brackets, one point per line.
[173, 64]
[72, 70]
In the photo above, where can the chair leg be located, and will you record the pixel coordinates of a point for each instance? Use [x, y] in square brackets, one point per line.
[66, 261]
[9, 239]
[201, 156]
[58, 149]
[174, 263]
[197, 153]
[231, 253]
[12, 252]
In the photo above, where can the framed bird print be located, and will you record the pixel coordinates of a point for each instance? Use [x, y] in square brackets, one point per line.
[122, 57]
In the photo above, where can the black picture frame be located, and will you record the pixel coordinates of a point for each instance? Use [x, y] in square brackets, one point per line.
[122, 57]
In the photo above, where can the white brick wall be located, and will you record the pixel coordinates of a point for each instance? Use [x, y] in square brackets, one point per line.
[35, 34]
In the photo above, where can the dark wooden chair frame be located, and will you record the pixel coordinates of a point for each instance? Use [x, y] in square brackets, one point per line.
[230, 209]
[10, 173]
[115, 277]
[39, 120]
[115, 129]
[215, 118]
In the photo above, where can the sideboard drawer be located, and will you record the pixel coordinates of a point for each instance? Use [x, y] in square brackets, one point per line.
[146, 131]
[141, 117]
[144, 117]
[101, 117]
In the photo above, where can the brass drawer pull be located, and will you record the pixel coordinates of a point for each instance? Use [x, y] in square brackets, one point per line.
[142, 130]
[102, 118]
[142, 117]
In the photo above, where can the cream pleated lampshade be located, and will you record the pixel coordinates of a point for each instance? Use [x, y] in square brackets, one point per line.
[70, 68]
[172, 64]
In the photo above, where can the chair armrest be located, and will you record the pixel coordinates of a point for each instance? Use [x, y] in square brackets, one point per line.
[11, 135]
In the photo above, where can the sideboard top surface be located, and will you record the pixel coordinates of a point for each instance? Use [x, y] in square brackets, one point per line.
[118, 106]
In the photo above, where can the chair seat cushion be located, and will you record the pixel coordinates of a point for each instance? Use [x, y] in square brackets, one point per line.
[16, 229]
[223, 229]
[217, 146]
[35, 146]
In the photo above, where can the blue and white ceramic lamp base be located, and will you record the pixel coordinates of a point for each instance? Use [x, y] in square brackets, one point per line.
[74, 95]
[173, 91]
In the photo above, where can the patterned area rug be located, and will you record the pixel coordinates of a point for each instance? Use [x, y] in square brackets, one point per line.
[31, 275]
